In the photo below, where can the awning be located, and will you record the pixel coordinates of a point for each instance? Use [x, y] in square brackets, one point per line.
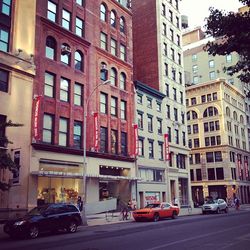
[112, 177]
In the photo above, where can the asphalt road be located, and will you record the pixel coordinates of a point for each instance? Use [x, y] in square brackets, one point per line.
[223, 231]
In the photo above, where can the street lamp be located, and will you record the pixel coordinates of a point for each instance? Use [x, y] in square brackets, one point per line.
[86, 103]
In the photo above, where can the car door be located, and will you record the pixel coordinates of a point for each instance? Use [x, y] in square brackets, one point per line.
[166, 210]
[47, 222]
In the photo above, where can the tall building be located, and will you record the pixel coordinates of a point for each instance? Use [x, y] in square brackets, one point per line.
[217, 137]
[158, 63]
[79, 45]
[17, 71]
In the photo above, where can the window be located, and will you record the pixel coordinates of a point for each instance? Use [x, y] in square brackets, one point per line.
[169, 134]
[64, 90]
[163, 10]
[78, 93]
[176, 136]
[124, 143]
[229, 58]
[210, 111]
[218, 156]
[103, 13]
[195, 79]
[66, 17]
[171, 16]
[195, 128]
[113, 76]
[63, 131]
[159, 126]
[79, 2]
[194, 58]
[79, 27]
[77, 134]
[198, 175]
[150, 123]
[139, 99]
[167, 90]
[203, 98]
[123, 52]
[47, 128]
[197, 158]
[50, 50]
[65, 54]
[103, 41]
[149, 102]
[4, 39]
[52, 11]
[168, 111]
[112, 18]
[165, 49]
[178, 40]
[189, 129]
[179, 58]
[4, 80]
[180, 77]
[103, 140]
[220, 173]
[174, 94]
[140, 120]
[177, 22]
[160, 146]
[212, 75]
[166, 69]
[141, 147]
[103, 103]
[211, 64]
[151, 149]
[122, 24]
[123, 110]
[113, 106]
[103, 72]
[193, 101]
[191, 174]
[184, 138]
[49, 84]
[175, 114]
[172, 54]
[114, 142]
[211, 174]
[196, 143]
[195, 69]
[79, 60]
[173, 74]
[171, 35]
[158, 106]
[6, 7]
[122, 81]
[113, 47]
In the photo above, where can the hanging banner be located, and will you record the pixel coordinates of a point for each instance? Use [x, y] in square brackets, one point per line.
[239, 169]
[96, 132]
[37, 105]
[246, 170]
[136, 140]
[166, 142]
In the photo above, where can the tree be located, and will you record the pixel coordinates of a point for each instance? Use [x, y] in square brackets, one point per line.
[232, 34]
[5, 159]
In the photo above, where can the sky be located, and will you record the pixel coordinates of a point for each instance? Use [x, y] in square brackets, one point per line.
[197, 10]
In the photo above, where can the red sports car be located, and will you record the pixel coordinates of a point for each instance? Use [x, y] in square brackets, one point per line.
[156, 211]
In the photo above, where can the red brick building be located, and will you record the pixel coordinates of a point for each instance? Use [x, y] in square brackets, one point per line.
[75, 40]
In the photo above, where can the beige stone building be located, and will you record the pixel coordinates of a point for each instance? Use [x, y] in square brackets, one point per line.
[217, 132]
[16, 93]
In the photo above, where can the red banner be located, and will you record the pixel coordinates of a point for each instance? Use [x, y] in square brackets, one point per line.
[239, 169]
[136, 140]
[37, 105]
[96, 132]
[246, 169]
[166, 142]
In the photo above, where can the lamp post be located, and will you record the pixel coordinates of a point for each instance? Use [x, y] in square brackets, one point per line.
[86, 103]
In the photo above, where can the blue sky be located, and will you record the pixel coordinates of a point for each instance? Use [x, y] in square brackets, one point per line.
[197, 10]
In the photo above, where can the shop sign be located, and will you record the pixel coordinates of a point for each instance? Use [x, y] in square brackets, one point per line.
[96, 131]
[136, 140]
[37, 105]
[152, 197]
[166, 142]
[246, 169]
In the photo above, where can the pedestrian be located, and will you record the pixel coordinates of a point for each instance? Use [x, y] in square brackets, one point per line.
[79, 203]
[134, 204]
[175, 202]
[237, 203]
[129, 205]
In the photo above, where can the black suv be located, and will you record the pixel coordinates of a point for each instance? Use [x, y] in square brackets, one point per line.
[51, 217]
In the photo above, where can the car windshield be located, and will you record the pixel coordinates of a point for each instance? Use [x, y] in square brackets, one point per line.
[210, 202]
[152, 205]
[37, 210]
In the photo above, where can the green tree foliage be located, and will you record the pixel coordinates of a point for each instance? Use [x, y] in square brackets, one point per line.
[232, 34]
[5, 159]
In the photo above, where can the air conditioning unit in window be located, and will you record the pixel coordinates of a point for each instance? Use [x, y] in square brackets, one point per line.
[66, 50]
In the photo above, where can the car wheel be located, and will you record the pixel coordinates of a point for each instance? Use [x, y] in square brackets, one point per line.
[174, 215]
[156, 217]
[33, 231]
[218, 211]
[72, 227]
[226, 210]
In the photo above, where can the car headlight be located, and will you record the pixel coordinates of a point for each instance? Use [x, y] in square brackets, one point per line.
[19, 223]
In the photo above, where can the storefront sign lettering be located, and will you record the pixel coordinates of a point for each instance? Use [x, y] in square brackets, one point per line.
[96, 131]
[239, 168]
[36, 117]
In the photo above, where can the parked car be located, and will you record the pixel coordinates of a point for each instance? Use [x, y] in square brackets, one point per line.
[214, 206]
[47, 218]
[156, 211]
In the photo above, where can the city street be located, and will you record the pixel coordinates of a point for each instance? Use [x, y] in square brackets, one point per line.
[217, 231]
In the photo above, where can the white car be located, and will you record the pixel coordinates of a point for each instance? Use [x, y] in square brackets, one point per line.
[214, 206]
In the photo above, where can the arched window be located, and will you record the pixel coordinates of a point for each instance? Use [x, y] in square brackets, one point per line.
[79, 60]
[113, 76]
[103, 13]
[65, 53]
[122, 81]
[194, 115]
[103, 72]
[113, 18]
[122, 24]
[50, 51]
[241, 119]
[210, 111]
[235, 116]
[228, 112]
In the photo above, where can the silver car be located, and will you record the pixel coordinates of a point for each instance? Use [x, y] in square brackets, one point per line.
[214, 206]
